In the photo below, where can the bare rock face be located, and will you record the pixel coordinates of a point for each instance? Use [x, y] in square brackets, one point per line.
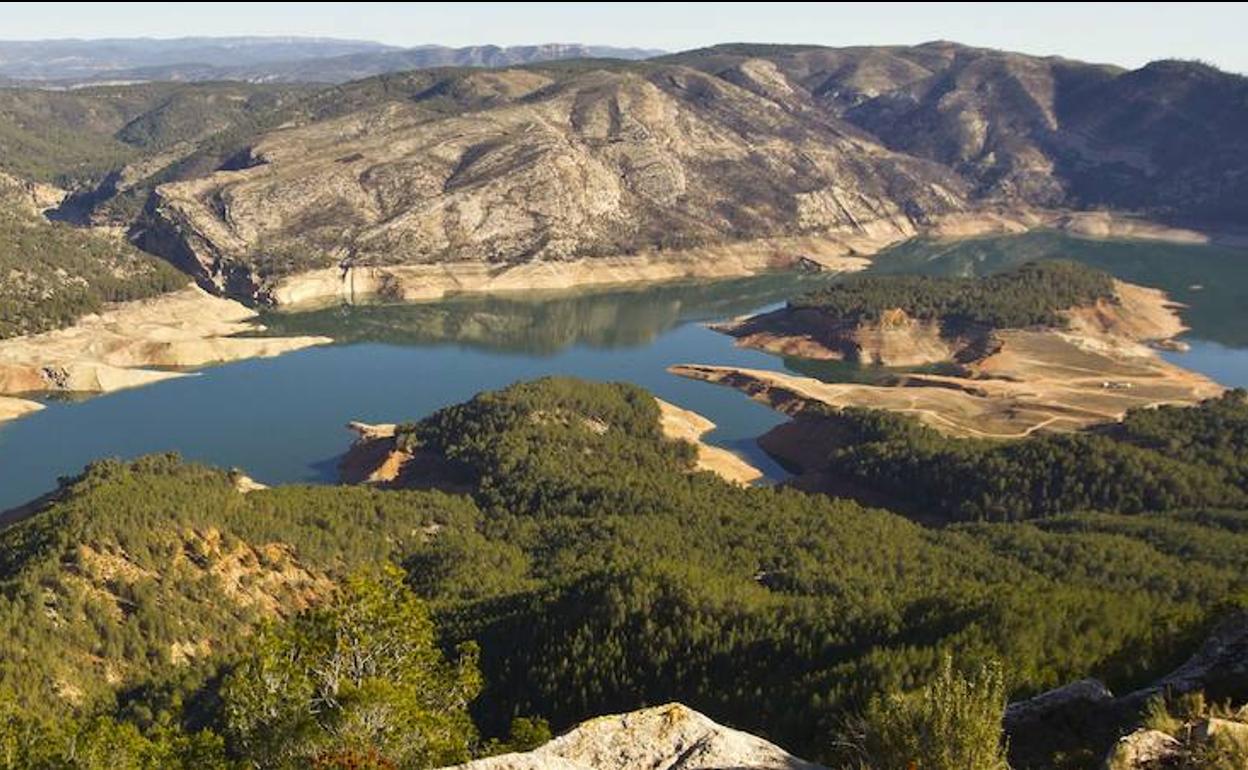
[32, 196]
[670, 737]
[551, 168]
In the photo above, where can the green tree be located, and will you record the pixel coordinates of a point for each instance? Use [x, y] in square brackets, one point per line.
[361, 677]
[952, 723]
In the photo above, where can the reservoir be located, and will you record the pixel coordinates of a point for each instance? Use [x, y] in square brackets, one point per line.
[283, 419]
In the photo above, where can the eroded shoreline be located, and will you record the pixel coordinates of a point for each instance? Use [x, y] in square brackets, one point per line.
[134, 344]
[143, 342]
[1020, 381]
[835, 250]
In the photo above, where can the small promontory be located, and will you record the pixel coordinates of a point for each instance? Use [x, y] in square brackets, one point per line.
[913, 320]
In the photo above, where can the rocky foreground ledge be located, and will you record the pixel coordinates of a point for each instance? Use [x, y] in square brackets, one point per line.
[670, 737]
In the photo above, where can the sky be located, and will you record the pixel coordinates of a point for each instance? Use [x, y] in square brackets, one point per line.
[1128, 34]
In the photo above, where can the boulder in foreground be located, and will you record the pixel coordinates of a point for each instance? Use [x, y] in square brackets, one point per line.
[670, 737]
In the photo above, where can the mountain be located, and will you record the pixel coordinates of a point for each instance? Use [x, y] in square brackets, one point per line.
[736, 158]
[354, 66]
[557, 162]
[1167, 139]
[262, 59]
[71, 59]
[543, 163]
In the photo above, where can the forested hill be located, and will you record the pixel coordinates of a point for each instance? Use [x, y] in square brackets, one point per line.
[54, 273]
[1034, 294]
[1156, 459]
[595, 571]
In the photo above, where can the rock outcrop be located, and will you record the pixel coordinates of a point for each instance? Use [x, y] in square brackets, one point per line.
[895, 339]
[670, 737]
[1086, 714]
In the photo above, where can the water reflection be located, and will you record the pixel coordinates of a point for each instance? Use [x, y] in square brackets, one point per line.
[545, 323]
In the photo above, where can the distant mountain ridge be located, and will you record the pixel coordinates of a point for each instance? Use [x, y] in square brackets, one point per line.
[85, 59]
[262, 59]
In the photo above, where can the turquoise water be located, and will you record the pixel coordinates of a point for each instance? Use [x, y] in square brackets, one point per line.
[282, 419]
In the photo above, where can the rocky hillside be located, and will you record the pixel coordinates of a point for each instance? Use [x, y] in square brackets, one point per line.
[673, 737]
[77, 137]
[595, 158]
[1166, 139]
[51, 274]
[282, 192]
[142, 569]
[540, 164]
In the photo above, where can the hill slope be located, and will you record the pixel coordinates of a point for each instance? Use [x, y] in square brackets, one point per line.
[583, 159]
[53, 273]
[1166, 139]
[598, 574]
[541, 164]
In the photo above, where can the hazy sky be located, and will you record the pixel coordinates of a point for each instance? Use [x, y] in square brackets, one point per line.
[1121, 33]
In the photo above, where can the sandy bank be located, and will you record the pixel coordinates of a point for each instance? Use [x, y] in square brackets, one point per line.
[114, 349]
[685, 425]
[841, 250]
[982, 408]
[12, 408]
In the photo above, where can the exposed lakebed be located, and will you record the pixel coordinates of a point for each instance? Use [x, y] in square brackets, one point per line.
[283, 419]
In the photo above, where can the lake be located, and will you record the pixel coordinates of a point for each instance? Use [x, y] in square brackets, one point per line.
[283, 419]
